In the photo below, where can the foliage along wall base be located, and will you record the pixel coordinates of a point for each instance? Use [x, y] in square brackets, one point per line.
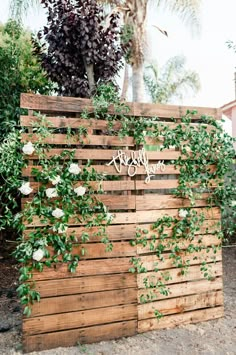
[142, 255]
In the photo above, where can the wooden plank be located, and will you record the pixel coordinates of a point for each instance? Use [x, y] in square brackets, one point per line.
[82, 335]
[156, 201]
[180, 319]
[168, 111]
[118, 185]
[107, 154]
[114, 233]
[113, 202]
[86, 268]
[71, 320]
[64, 122]
[199, 240]
[109, 170]
[75, 140]
[120, 202]
[128, 231]
[61, 104]
[194, 273]
[63, 304]
[151, 262]
[153, 215]
[60, 122]
[85, 284]
[167, 184]
[207, 227]
[156, 185]
[136, 217]
[114, 185]
[70, 104]
[185, 288]
[121, 265]
[98, 250]
[181, 304]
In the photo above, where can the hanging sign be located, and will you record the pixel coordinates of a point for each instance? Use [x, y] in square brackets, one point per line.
[135, 159]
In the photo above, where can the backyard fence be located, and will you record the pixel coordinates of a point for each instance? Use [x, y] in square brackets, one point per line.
[102, 299]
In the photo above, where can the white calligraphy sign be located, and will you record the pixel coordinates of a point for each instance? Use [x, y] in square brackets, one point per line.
[136, 159]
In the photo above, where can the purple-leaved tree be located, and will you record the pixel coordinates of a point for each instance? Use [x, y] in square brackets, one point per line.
[79, 47]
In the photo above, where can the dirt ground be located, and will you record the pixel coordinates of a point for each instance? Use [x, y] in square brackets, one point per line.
[216, 337]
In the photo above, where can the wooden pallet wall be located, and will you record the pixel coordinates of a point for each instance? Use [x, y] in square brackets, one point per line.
[102, 299]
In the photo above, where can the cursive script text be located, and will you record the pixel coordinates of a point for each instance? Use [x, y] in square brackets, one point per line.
[134, 160]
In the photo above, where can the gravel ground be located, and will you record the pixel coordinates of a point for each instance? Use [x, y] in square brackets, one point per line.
[216, 337]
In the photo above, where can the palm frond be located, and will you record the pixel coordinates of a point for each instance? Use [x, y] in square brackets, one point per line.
[172, 82]
[18, 8]
[187, 10]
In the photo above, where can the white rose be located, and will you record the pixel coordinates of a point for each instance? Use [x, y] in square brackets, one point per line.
[187, 149]
[183, 213]
[17, 216]
[55, 180]
[80, 191]
[233, 203]
[61, 229]
[109, 216]
[25, 188]
[51, 192]
[38, 255]
[28, 148]
[74, 169]
[57, 213]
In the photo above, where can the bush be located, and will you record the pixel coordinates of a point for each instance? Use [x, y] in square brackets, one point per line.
[20, 72]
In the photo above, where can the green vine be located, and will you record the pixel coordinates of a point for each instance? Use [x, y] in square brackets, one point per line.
[205, 179]
[63, 192]
[205, 159]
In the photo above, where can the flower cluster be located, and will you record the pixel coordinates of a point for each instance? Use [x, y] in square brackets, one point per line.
[60, 194]
[53, 193]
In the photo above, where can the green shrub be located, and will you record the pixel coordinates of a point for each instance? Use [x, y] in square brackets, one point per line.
[20, 72]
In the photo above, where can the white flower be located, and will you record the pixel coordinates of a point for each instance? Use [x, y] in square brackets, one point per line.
[80, 191]
[57, 213]
[17, 216]
[74, 169]
[183, 213]
[28, 148]
[38, 255]
[55, 180]
[61, 229]
[233, 203]
[187, 148]
[25, 188]
[51, 192]
[109, 216]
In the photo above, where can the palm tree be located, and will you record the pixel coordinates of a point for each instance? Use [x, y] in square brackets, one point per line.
[171, 81]
[135, 16]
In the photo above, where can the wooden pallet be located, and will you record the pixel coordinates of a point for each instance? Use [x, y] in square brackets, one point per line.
[101, 300]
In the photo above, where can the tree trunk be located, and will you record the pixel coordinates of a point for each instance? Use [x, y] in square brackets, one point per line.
[125, 83]
[138, 83]
[90, 74]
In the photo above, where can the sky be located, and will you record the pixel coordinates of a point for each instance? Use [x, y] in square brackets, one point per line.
[206, 53]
